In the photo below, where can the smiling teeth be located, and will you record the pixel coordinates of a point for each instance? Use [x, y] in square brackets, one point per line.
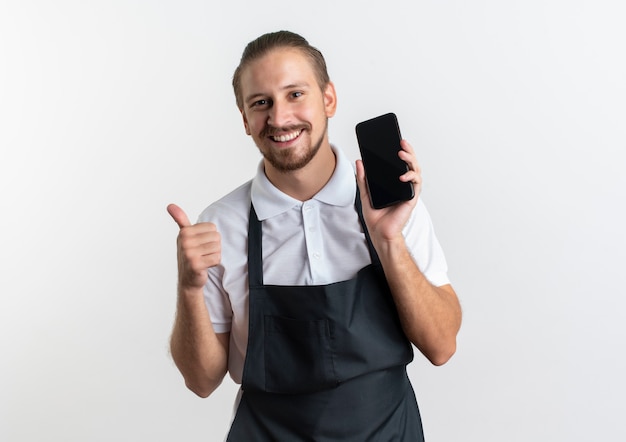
[288, 137]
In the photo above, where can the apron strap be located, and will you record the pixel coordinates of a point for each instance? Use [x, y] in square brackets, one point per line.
[255, 250]
[370, 246]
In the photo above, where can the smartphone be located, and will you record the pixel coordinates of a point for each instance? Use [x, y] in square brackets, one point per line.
[379, 143]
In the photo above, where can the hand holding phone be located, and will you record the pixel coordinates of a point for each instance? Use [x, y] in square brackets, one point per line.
[379, 143]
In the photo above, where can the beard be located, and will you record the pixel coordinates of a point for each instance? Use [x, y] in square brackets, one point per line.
[287, 160]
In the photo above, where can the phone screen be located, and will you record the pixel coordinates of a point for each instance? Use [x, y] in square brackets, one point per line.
[379, 143]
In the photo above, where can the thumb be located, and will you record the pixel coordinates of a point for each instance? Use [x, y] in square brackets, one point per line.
[360, 171]
[360, 180]
[178, 215]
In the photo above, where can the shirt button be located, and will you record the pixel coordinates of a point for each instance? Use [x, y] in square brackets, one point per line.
[316, 255]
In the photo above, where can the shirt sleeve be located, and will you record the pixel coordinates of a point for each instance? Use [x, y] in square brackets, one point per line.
[225, 292]
[424, 247]
[216, 296]
[217, 301]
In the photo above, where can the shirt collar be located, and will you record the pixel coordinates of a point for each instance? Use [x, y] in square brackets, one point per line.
[340, 190]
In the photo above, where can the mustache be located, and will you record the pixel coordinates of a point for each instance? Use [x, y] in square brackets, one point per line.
[269, 130]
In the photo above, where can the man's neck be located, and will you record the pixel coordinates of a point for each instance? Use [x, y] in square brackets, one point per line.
[304, 183]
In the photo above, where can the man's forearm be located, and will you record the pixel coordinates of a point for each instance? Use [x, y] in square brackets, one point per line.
[200, 354]
[430, 316]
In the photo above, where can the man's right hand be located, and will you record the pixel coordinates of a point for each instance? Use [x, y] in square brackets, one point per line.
[199, 247]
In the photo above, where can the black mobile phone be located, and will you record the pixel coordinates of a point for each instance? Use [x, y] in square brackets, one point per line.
[379, 143]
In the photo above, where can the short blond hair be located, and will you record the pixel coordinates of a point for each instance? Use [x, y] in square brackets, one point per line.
[281, 39]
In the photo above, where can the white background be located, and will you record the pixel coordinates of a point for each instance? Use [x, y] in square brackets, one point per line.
[111, 110]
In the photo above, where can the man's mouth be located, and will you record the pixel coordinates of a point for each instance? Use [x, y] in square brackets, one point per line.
[286, 137]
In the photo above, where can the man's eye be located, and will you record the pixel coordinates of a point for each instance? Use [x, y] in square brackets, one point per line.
[296, 94]
[259, 103]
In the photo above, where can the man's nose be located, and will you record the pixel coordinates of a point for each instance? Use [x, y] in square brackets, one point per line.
[280, 115]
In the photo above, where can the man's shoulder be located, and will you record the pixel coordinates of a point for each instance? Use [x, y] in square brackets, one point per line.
[230, 208]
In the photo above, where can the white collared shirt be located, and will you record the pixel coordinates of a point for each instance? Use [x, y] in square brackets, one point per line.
[319, 241]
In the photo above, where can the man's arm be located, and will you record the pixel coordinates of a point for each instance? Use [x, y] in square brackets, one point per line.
[200, 354]
[430, 316]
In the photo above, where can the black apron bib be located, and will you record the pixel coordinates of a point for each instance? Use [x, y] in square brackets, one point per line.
[324, 363]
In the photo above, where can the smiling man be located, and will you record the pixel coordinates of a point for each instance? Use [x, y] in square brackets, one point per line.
[285, 110]
[292, 283]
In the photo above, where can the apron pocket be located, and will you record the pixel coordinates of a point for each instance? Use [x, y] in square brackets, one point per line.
[298, 355]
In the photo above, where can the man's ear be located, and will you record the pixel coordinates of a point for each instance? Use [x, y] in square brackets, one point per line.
[330, 99]
[245, 122]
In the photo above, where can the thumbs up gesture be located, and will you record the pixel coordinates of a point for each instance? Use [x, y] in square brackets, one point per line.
[198, 247]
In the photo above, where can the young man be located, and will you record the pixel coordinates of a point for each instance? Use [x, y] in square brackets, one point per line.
[314, 299]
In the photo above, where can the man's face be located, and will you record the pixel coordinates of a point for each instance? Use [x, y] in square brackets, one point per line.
[284, 109]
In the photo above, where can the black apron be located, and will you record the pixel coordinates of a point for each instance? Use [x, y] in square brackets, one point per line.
[324, 362]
